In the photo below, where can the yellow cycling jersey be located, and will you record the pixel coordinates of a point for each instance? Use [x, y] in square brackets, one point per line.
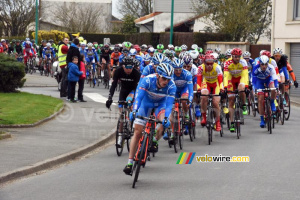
[239, 70]
[212, 76]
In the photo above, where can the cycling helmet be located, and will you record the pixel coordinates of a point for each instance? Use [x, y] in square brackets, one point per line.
[106, 47]
[27, 39]
[2, 40]
[96, 46]
[182, 54]
[267, 53]
[187, 59]
[89, 45]
[147, 57]
[200, 50]
[209, 58]
[228, 52]
[143, 47]
[158, 58]
[132, 52]
[48, 44]
[17, 41]
[128, 60]
[171, 47]
[222, 56]
[51, 41]
[177, 48]
[236, 52]
[215, 55]
[151, 50]
[165, 70]
[194, 54]
[183, 47]
[101, 45]
[177, 63]
[125, 50]
[168, 54]
[137, 48]
[194, 46]
[136, 62]
[126, 44]
[263, 59]
[246, 54]
[209, 52]
[82, 44]
[218, 50]
[13, 41]
[116, 49]
[160, 46]
[277, 51]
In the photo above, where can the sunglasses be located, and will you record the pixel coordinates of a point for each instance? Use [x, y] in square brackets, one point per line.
[209, 64]
[187, 66]
[264, 64]
[128, 66]
[236, 56]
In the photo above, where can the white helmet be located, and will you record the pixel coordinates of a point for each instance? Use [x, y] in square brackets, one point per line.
[246, 54]
[261, 51]
[151, 50]
[2, 40]
[215, 55]
[194, 46]
[218, 50]
[263, 59]
[89, 44]
[182, 54]
[277, 51]
[228, 52]
[184, 47]
[48, 44]
[194, 54]
[170, 46]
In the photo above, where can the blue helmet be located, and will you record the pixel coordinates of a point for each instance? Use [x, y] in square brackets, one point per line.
[165, 70]
[147, 57]
[151, 50]
[158, 58]
[177, 63]
[187, 59]
[132, 52]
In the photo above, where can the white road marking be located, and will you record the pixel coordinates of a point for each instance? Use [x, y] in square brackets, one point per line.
[96, 97]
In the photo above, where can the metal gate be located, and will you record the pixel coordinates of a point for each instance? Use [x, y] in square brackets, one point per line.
[256, 48]
[295, 62]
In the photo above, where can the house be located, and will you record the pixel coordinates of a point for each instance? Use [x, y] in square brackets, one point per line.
[286, 32]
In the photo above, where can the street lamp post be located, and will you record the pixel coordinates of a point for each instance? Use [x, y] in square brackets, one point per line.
[171, 28]
[36, 20]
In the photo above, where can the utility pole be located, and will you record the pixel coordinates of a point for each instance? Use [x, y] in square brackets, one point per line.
[36, 21]
[172, 15]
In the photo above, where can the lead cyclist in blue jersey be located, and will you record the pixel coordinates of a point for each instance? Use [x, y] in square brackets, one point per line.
[91, 55]
[154, 91]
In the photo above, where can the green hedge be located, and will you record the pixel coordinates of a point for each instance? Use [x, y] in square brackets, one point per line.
[11, 74]
[15, 37]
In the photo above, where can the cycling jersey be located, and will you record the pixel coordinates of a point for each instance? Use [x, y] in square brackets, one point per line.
[105, 55]
[149, 69]
[90, 55]
[148, 96]
[184, 84]
[282, 66]
[129, 82]
[114, 58]
[210, 80]
[194, 72]
[259, 77]
[235, 73]
[47, 52]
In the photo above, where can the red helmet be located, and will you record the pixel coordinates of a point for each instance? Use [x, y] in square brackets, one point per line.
[236, 52]
[266, 53]
[209, 57]
[208, 52]
[137, 48]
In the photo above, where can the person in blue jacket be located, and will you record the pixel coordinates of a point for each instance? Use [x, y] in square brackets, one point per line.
[73, 77]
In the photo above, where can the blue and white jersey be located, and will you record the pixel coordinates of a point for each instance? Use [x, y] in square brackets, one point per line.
[47, 52]
[257, 73]
[148, 92]
[90, 54]
[149, 69]
[185, 80]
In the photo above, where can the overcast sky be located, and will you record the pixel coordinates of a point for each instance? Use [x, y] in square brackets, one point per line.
[115, 9]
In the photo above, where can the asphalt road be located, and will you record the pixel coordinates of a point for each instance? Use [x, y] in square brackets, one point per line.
[272, 173]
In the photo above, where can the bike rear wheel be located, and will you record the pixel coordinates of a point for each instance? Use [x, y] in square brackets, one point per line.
[287, 106]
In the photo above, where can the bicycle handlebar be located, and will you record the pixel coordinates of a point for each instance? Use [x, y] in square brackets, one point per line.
[206, 95]
[149, 119]
[266, 89]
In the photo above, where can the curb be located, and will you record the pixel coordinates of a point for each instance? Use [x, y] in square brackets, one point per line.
[5, 136]
[37, 123]
[40, 86]
[295, 103]
[49, 163]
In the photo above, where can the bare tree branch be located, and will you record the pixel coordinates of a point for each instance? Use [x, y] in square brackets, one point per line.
[136, 8]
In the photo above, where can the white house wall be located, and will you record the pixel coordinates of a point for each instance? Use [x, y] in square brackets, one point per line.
[163, 20]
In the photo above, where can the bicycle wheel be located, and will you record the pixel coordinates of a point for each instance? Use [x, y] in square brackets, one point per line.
[119, 148]
[281, 111]
[252, 104]
[141, 156]
[248, 100]
[191, 134]
[209, 125]
[180, 133]
[287, 106]
[237, 122]
[268, 112]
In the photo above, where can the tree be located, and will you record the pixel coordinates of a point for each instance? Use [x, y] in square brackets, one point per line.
[82, 17]
[136, 8]
[16, 15]
[244, 20]
[128, 25]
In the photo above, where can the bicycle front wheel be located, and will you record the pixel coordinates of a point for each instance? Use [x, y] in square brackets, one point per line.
[141, 156]
[119, 140]
[287, 106]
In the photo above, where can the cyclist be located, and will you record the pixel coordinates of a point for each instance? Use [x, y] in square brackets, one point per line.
[184, 48]
[28, 51]
[236, 77]
[105, 59]
[91, 56]
[125, 53]
[218, 50]
[40, 53]
[184, 83]
[195, 56]
[133, 54]
[11, 47]
[156, 91]
[47, 51]
[147, 60]
[210, 80]
[151, 68]
[177, 51]
[35, 46]
[144, 49]
[169, 54]
[114, 58]
[264, 73]
[228, 53]
[18, 50]
[4, 46]
[82, 48]
[160, 48]
[291, 72]
[23, 44]
[151, 52]
[138, 50]
[53, 45]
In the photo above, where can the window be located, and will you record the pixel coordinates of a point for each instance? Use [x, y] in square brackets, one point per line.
[296, 9]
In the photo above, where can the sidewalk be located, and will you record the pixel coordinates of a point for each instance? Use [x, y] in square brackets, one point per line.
[80, 125]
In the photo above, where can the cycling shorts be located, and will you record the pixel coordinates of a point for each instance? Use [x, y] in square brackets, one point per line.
[182, 92]
[90, 59]
[145, 111]
[213, 88]
[260, 84]
[107, 59]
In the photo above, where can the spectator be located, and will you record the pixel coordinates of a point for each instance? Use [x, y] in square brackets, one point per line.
[73, 51]
[81, 79]
[73, 78]
[62, 56]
